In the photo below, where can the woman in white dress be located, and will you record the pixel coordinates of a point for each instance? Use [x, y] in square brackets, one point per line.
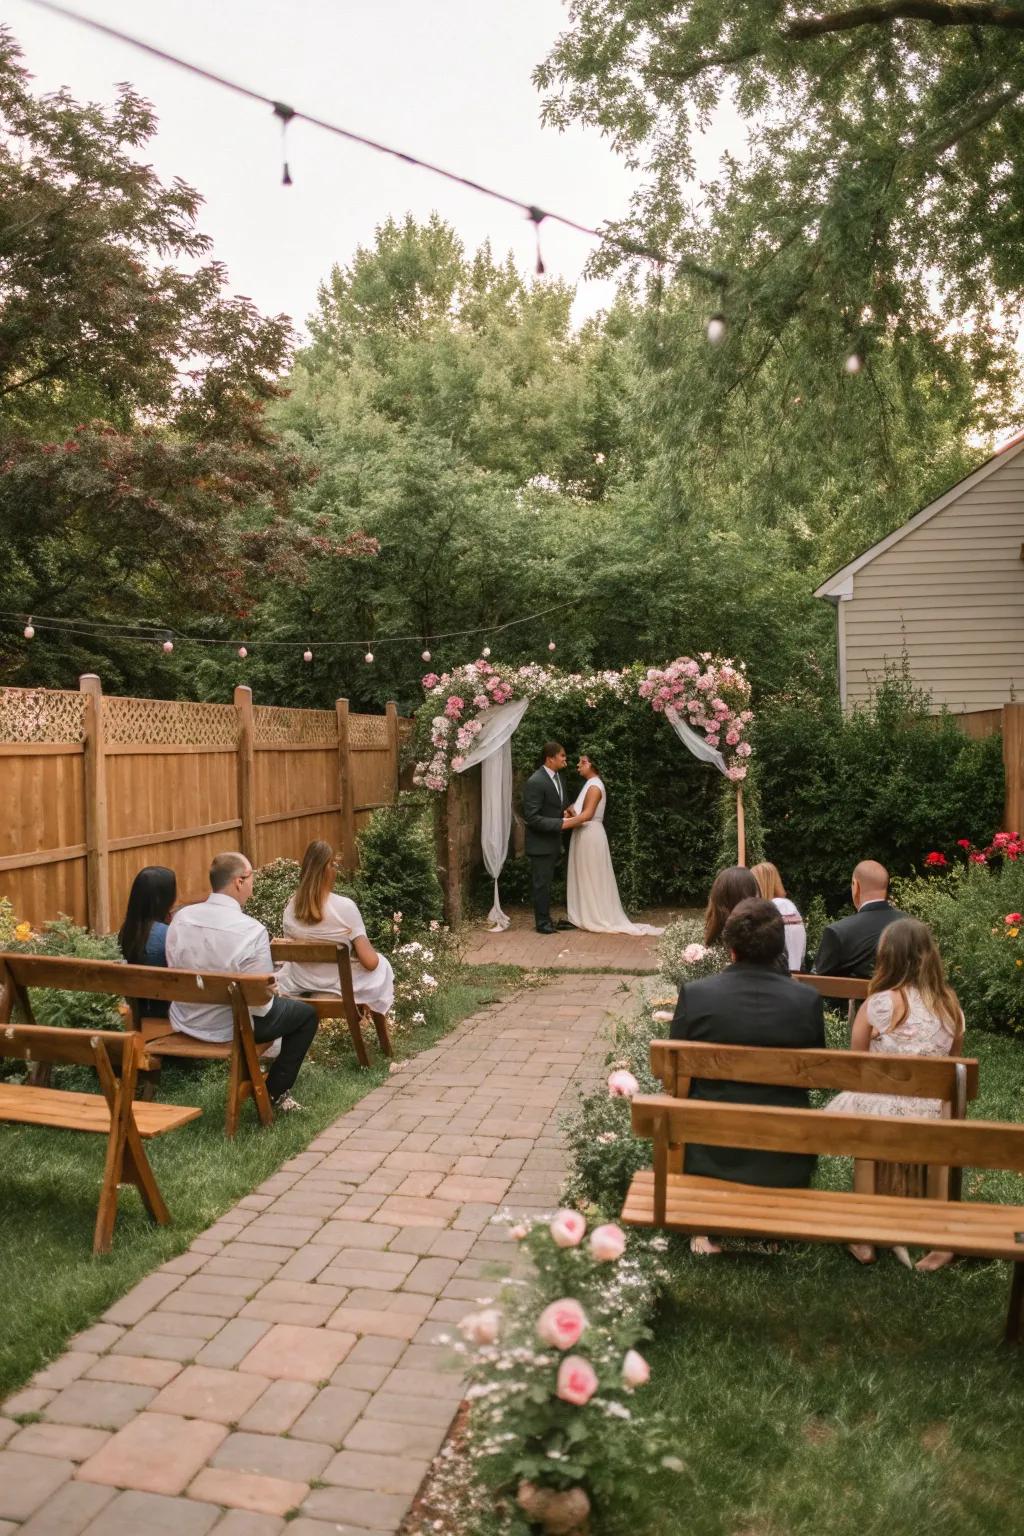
[316, 911]
[769, 883]
[593, 895]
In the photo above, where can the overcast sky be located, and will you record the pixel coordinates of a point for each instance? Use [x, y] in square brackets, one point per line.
[448, 80]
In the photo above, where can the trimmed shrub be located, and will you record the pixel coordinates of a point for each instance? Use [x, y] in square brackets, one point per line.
[72, 1010]
[398, 871]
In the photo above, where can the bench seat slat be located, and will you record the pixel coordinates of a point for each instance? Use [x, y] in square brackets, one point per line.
[827, 1216]
[191, 1048]
[24, 1105]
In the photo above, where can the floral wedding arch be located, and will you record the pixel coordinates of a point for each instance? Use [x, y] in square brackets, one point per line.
[470, 715]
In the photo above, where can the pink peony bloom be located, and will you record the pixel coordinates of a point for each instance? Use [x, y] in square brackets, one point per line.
[744, 749]
[457, 764]
[607, 1243]
[622, 1085]
[635, 1370]
[481, 1327]
[482, 701]
[694, 952]
[732, 738]
[454, 707]
[568, 1228]
[562, 1323]
[431, 680]
[577, 1380]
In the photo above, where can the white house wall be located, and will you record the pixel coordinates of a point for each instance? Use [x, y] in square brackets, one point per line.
[951, 595]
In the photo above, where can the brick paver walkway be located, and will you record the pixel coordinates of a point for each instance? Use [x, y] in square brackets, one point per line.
[571, 951]
[290, 1359]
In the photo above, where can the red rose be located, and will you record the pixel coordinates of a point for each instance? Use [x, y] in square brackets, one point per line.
[1012, 918]
[963, 842]
[936, 861]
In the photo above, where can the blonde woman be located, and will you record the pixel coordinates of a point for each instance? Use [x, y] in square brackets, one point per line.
[910, 1010]
[769, 883]
[316, 911]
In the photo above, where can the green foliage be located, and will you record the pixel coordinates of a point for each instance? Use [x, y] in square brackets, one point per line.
[398, 871]
[8, 921]
[966, 910]
[683, 955]
[888, 782]
[72, 1010]
[273, 886]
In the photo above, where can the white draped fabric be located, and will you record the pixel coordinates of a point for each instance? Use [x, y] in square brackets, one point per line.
[493, 748]
[697, 745]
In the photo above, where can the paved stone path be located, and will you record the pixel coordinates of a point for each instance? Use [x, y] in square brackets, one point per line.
[290, 1359]
[573, 951]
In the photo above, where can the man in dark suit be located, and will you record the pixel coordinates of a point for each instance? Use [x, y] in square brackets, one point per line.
[544, 804]
[752, 1003]
[848, 947]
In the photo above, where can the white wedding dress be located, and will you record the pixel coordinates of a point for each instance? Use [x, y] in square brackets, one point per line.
[593, 895]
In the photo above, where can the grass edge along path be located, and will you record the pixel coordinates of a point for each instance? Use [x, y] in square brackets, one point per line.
[49, 1183]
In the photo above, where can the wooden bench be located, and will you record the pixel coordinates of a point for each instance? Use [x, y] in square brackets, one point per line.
[139, 983]
[853, 989]
[112, 1112]
[953, 1079]
[328, 1004]
[684, 1203]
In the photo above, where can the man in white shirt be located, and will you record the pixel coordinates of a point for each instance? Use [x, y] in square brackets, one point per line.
[216, 935]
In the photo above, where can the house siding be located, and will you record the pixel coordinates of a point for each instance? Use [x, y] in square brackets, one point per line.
[950, 596]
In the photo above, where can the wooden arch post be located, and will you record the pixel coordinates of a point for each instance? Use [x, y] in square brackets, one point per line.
[741, 828]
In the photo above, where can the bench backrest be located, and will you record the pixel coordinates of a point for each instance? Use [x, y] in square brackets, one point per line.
[855, 988]
[321, 952]
[676, 1062]
[884, 1138]
[68, 1047]
[113, 979]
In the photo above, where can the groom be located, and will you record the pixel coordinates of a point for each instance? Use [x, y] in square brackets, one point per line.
[544, 803]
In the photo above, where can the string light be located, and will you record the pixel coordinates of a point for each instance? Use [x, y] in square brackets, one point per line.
[168, 647]
[307, 655]
[551, 645]
[854, 363]
[242, 652]
[28, 631]
[716, 329]
[485, 652]
[368, 658]
[424, 655]
[285, 114]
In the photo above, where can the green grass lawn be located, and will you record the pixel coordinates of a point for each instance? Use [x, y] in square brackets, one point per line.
[49, 1187]
[811, 1395]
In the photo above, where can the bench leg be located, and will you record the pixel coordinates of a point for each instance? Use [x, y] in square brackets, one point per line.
[1014, 1320]
[380, 1024]
[137, 1171]
[355, 1029]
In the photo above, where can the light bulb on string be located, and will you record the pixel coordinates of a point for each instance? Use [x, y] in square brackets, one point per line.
[424, 655]
[242, 652]
[853, 363]
[29, 631]
[715, 329]
[307, 655]
[168, 647]
[485, 652]
[368, 658]
[551, 645]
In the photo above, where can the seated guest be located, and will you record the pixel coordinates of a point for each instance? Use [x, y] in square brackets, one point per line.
[848, 947]
[729, 887]
[910, 1010]
[143, 935]
[216, 935]
[749, 1003]
[316, 911]
[769, 883]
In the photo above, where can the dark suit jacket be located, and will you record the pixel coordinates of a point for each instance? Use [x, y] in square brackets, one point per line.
[750, 1005]
[542, 812]
[848, 948]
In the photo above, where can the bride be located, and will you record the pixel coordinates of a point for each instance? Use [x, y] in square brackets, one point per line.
[593, 896]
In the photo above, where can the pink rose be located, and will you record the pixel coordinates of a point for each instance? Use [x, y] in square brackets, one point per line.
[519, 1232]
[454, 706]
[577, 1380]
[694, 952]
[567, 1229]
[731, 738]
[562, 1323]
[430, 681]
[635, 1370]
[622, 1085]
[457, 764]
[481, 1327]
[607, 1243]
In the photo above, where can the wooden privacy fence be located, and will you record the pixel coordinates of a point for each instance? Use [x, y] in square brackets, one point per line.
[1009, 720]
[94, 787]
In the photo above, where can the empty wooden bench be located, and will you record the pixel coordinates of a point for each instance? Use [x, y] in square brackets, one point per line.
[852, 989]
[328, 1004]
[112, 1112]
[139, 983]
[684, 1203]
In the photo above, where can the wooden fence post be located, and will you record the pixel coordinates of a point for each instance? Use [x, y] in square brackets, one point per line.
[97, 853]
[391, 716]
[246, 758]
[348, 810]
[1013, 766]
[741, 829]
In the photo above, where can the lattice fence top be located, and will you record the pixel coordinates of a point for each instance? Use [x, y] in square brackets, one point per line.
[368, 731]
[41, 714]
[272, 726]
[170, 722]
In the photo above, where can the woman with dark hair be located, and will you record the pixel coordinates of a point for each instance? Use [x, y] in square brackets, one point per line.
[729, 888]
[316, 911]
[143, 935]
[910, 1010]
